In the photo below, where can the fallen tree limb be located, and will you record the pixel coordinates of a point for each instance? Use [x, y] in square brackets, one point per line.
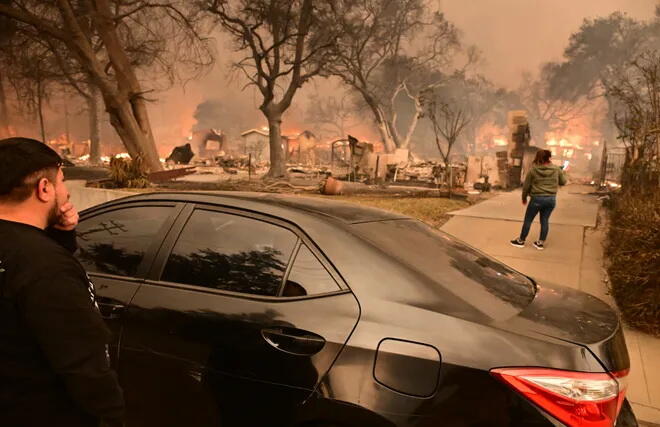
[294, 187]
[335, 187]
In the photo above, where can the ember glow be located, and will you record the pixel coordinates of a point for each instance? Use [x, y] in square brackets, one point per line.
[569, 145]
[491, 136]
[501, 142]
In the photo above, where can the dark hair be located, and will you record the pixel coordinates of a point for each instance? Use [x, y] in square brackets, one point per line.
[542, 157]
[23, 162]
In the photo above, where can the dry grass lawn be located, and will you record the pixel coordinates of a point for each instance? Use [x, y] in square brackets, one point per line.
[432, 210]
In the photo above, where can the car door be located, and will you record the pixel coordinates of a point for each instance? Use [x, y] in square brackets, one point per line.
[241, 318]
[116, 246]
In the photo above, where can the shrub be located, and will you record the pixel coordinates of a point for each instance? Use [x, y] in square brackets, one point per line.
[634, 259]
[127, 173]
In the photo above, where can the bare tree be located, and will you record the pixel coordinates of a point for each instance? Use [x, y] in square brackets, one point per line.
[391, 49]
[27, 70]
[449, 113]
[488, 104]
[39, 69]
[109, 40]
[74, 77]
[285, 48]
[332, 115]
[547, 111]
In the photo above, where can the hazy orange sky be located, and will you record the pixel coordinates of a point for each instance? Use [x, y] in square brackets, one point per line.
[518, 35]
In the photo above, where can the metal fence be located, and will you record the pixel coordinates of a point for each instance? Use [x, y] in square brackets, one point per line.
[616, 157]
[612, 164]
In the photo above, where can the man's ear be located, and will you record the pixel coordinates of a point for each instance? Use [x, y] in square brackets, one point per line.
[45, 190]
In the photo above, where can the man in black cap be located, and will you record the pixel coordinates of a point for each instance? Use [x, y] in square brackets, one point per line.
[54, 365]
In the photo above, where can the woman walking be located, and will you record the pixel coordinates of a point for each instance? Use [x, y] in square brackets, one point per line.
[541, 183]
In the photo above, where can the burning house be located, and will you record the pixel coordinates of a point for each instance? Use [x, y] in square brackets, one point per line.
[256, 142]
[506, 160]
[302, 148]
[504, 154]
[299, 147]
[578, 153]
[66, 147]
[208, 143]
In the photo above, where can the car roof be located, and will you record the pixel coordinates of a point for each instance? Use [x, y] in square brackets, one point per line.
[345, 212]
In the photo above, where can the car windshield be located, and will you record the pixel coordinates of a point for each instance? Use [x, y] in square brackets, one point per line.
[479, 280]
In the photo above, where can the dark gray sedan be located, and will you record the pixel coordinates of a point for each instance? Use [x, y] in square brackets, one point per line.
[240, 309]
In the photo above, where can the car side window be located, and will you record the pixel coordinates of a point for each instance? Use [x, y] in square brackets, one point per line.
[308, 276]
[230, 252]
[115, 242]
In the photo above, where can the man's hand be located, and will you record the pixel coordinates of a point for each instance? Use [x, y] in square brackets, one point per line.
[68, 217]
[524, 202]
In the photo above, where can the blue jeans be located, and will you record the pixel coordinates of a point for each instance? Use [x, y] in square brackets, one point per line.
[542, 205]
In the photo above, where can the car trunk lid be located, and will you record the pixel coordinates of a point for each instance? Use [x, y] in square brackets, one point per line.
[577, 317]
[474, 286]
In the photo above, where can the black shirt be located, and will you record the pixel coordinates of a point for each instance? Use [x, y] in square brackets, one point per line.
[54, 365]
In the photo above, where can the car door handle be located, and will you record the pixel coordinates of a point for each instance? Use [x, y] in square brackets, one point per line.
[293, 341]
[110, 311]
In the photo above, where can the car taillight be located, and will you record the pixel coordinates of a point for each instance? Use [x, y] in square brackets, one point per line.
[575, 398]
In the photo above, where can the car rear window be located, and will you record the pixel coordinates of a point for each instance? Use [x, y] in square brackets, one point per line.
[115, 242]
[476, 278]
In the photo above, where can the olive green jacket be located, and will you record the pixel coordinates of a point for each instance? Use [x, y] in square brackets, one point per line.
[543, 180]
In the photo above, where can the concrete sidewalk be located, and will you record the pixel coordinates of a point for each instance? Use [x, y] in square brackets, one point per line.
[573, 257]
[576, 208]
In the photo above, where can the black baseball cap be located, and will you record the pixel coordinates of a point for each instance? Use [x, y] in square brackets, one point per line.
[20, 158]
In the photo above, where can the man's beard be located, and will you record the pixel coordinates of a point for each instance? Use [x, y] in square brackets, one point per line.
[54, 214]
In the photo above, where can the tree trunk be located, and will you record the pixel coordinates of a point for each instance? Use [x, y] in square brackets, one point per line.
[381, 122]
[385, 135]
[419, 109]
[131, 122]
[94, 125]
[40, 112]
[393, 125]
[277, 157]
[4, 111]
[125, 104]
[138, 143]
[147, 144]
[384, 128]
